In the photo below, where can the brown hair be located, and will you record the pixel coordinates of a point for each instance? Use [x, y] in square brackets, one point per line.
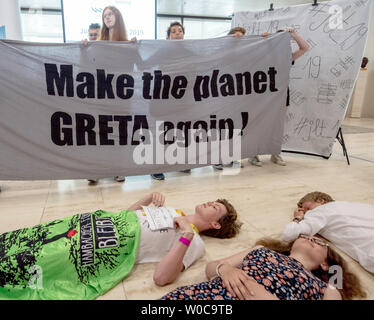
[229, 225]
[237, 29]
[119, 33]
[314, 197]
[173, 24]
[351, 283]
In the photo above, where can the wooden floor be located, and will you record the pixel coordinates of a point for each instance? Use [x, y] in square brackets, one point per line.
[264, 197]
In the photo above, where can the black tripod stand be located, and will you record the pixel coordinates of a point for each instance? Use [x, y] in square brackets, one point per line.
[339, 137]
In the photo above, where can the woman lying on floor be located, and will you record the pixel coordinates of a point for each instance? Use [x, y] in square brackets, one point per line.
[273, 270]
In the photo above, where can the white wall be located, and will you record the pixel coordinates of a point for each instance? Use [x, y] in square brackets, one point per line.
[10, 17]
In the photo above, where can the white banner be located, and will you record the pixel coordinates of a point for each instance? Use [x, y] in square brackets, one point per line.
[70, 111]
[321, 81]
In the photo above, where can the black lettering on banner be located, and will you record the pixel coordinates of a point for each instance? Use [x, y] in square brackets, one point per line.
[125, 81]
[87, 88]
[201, 88]
[161, 81]
[104, 130]
[259, 82]
[147, 80]
[87, 127]
[213, 83]
[122, 128]
[163, 85]
[62, 80]
[85, 124]
[61, 136]
[227, 85]
[104, 85]
[179, 87]
[86, 240]
[105, 233]
[247, 81]
[140, 123]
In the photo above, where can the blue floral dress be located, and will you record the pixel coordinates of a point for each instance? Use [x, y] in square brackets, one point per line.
[280, 275]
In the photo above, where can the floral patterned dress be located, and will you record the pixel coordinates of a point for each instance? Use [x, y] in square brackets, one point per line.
[279, 274]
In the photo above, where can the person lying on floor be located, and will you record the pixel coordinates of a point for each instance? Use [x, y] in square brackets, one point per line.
[348, 225]
[276, 270]
[83, 256]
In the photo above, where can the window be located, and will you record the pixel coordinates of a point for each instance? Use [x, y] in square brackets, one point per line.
[41, 26]
[205, 28]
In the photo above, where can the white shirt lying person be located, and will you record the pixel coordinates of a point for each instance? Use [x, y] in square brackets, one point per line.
[348, 225]
[154, 245]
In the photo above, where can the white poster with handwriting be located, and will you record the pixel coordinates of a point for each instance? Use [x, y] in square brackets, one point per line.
[322, 80]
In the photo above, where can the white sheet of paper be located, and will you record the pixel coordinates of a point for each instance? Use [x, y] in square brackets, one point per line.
[160, 218]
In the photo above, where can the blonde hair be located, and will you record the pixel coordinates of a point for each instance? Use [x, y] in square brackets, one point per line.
[314, 197]
[119, 32]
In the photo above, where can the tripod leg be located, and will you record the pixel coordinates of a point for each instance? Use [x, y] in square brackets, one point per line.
[341, 141]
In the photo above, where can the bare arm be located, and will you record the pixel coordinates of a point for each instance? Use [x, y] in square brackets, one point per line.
[171, 265]
[303, 45]
[237, 282]
[233, 261]
[155, 197]
[332, 294]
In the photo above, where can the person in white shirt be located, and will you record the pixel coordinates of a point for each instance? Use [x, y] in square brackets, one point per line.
[348, 225]
[176, 249]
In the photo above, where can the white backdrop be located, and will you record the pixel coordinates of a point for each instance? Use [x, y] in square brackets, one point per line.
[321, 81]
[138, 15]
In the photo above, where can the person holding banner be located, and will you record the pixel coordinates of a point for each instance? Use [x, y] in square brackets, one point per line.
[236, 32]
[276, 270]
[174, 32]
[113, 29]
[93, 31]
[303, 47]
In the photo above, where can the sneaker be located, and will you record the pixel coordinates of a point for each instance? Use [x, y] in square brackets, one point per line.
[276, 158]
[120, 178]
[93, 181]
[218, 166]
[186, 171]
[255, 161]
[158, 176]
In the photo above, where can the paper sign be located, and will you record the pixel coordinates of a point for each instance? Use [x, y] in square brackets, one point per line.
[160, 218]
